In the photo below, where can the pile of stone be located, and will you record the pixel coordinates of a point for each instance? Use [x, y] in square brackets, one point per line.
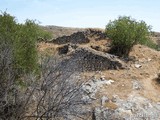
[75, 38]
[87, 59]
[80, 37]
[96, 33]
[92, 87]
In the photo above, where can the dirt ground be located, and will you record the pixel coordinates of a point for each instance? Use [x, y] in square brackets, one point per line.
[148, 60]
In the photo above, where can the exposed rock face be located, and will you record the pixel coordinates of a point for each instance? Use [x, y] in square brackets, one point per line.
[80, 37]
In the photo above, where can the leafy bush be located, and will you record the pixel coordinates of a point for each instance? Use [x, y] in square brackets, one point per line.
[56, 94]
[25, 46]
[125, 32]
[22, 38]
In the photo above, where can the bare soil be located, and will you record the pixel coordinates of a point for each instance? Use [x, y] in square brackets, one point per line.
[147, 58]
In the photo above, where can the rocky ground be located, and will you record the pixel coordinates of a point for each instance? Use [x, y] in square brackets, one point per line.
[114, 88]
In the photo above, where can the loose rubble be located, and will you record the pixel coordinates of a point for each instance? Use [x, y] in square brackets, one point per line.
[91, 87]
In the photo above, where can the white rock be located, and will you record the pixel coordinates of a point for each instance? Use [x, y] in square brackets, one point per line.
[102, 78]
[109, 82]
[149, 59]
[138, 66]
[92, 96]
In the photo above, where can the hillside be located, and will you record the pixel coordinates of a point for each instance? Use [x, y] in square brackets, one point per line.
[58, 31]
[115, 88]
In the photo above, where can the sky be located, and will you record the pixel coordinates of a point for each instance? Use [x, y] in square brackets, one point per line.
[83, 13]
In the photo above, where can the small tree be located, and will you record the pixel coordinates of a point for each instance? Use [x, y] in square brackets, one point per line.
[25, 46]
[22, 39]
[125, 32]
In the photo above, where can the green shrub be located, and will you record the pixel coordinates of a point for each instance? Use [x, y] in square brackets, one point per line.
[25, 47]
[22, 38]
[125, 32]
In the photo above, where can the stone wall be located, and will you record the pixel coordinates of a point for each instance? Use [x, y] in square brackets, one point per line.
[80, 37]
[85, 59]
[75, 38]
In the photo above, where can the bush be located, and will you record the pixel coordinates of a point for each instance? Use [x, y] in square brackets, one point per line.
[125, 32]
[56, 94]
[25, 47]
[22, 39]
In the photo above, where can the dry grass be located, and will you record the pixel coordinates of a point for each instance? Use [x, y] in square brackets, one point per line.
[111, 105]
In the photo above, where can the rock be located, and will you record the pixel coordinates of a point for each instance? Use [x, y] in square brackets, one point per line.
[148, 105]
[136, 85]
[80, 37]
[86, 99]
[63, 50]
[101, 113]
[90, 88]
[128, 105]
[97, 114]
[102, 78]
[109, 82]
[92, 97]
[114, 98]
[85, 59]
[149, 60]
[123, 112]
[104, 99]
[75, 38]
[138, 66]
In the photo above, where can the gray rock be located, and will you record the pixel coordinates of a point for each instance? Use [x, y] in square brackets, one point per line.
[128, 105]
[104, 99]
[136, 85]
[86, 99]
[114, 98]
[101, 113]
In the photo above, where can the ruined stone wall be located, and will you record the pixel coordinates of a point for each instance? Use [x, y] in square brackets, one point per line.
[84, 59]
[75, 38]
[80, 37]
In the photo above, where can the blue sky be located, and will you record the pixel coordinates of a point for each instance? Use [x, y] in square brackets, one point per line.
[83, 13]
